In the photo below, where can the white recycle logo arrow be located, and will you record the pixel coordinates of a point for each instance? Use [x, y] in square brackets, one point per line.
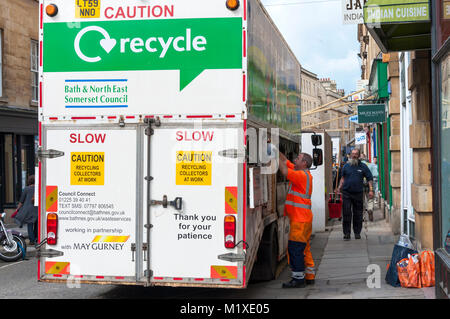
[107, 43]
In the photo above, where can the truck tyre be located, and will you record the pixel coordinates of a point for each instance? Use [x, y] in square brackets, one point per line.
[267, 258]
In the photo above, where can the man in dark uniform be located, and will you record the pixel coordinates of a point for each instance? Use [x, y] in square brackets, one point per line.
[352, 186]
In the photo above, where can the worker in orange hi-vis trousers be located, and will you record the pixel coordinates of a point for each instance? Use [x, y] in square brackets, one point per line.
[298, 209]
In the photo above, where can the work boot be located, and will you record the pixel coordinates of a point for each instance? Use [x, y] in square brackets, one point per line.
[295, 283]
[347, 237]
[370, 215]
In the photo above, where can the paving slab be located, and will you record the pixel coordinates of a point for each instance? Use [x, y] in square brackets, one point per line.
[344, 273]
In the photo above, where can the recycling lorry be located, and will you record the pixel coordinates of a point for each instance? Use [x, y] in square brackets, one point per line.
[154, 121]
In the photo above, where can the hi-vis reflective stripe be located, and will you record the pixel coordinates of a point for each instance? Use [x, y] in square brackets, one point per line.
[288, 202]
[305, 196]
[51, 199]
[309, 270]
[230, 200]
[56, 267]
[229, 272]
[110, 239]
[308, 185]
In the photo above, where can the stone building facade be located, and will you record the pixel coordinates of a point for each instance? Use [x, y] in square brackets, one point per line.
[19, 96]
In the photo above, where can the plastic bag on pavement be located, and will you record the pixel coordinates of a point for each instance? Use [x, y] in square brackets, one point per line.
[405, 242]
[409, 272]
[427, 268]
[399, 253]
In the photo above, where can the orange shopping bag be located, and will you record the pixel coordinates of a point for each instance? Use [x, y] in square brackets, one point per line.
[409, 272]
[427, 268]
[403, 272]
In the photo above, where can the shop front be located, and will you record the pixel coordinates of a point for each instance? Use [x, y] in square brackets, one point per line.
[441, 151]
[18, 140]
[423, 29]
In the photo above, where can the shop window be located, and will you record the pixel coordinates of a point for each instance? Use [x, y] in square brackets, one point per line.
[1, 62]
[17, 160]
[445, 146]
[8, 172]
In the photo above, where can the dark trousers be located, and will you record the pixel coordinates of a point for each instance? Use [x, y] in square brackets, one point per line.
[32, 231]
[353, 204]
[296, 251]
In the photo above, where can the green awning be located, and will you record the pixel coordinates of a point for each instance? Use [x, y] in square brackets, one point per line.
[399, 25]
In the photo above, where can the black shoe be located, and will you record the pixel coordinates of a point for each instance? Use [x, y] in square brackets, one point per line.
[310, 281]
[295, 283]
[357, 236]
[346, 237]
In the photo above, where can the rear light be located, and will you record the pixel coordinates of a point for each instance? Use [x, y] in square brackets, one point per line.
[52, 228]
[230, 231]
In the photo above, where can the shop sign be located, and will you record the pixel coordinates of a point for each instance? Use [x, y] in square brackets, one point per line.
[371, 113]
[353, 119]
[446, 10]
[360, 137]
[352, 11]
[389, 11]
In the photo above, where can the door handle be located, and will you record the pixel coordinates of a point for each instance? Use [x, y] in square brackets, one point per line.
[177, 203]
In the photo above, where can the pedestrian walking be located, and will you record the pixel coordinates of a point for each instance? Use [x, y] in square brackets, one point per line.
[352, 186]
[298, 209]
[27, 212]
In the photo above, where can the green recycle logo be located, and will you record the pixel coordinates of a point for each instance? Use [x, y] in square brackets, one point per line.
[188, 45]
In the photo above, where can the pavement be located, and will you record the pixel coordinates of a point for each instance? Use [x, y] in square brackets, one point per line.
[354, 269]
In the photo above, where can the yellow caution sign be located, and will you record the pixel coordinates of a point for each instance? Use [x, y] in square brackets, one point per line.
[87, 168]
[193, 168]
[57, 268]
[228, 272]
[110, 239]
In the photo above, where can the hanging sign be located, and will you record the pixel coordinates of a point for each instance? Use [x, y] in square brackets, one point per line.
[353, 119]
[371, 113]
[352, 11]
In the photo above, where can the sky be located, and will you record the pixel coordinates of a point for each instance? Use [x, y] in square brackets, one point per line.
[321, 42]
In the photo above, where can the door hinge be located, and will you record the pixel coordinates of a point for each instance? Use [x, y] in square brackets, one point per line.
[232, 257]
[48, 253]
[41, 153]
[232, 153]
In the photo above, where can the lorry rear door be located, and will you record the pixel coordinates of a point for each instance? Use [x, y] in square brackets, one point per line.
[187, 167]
[92, 188]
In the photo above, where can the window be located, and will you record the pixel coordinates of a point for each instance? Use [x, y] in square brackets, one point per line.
[8, 161]
[445, 147]
[17, 160]
[34, 54]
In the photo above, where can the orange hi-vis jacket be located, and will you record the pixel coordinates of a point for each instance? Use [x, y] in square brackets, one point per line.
[298, 200]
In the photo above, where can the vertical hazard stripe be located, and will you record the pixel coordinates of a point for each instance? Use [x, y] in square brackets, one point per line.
[51, 200]
[231, 200]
